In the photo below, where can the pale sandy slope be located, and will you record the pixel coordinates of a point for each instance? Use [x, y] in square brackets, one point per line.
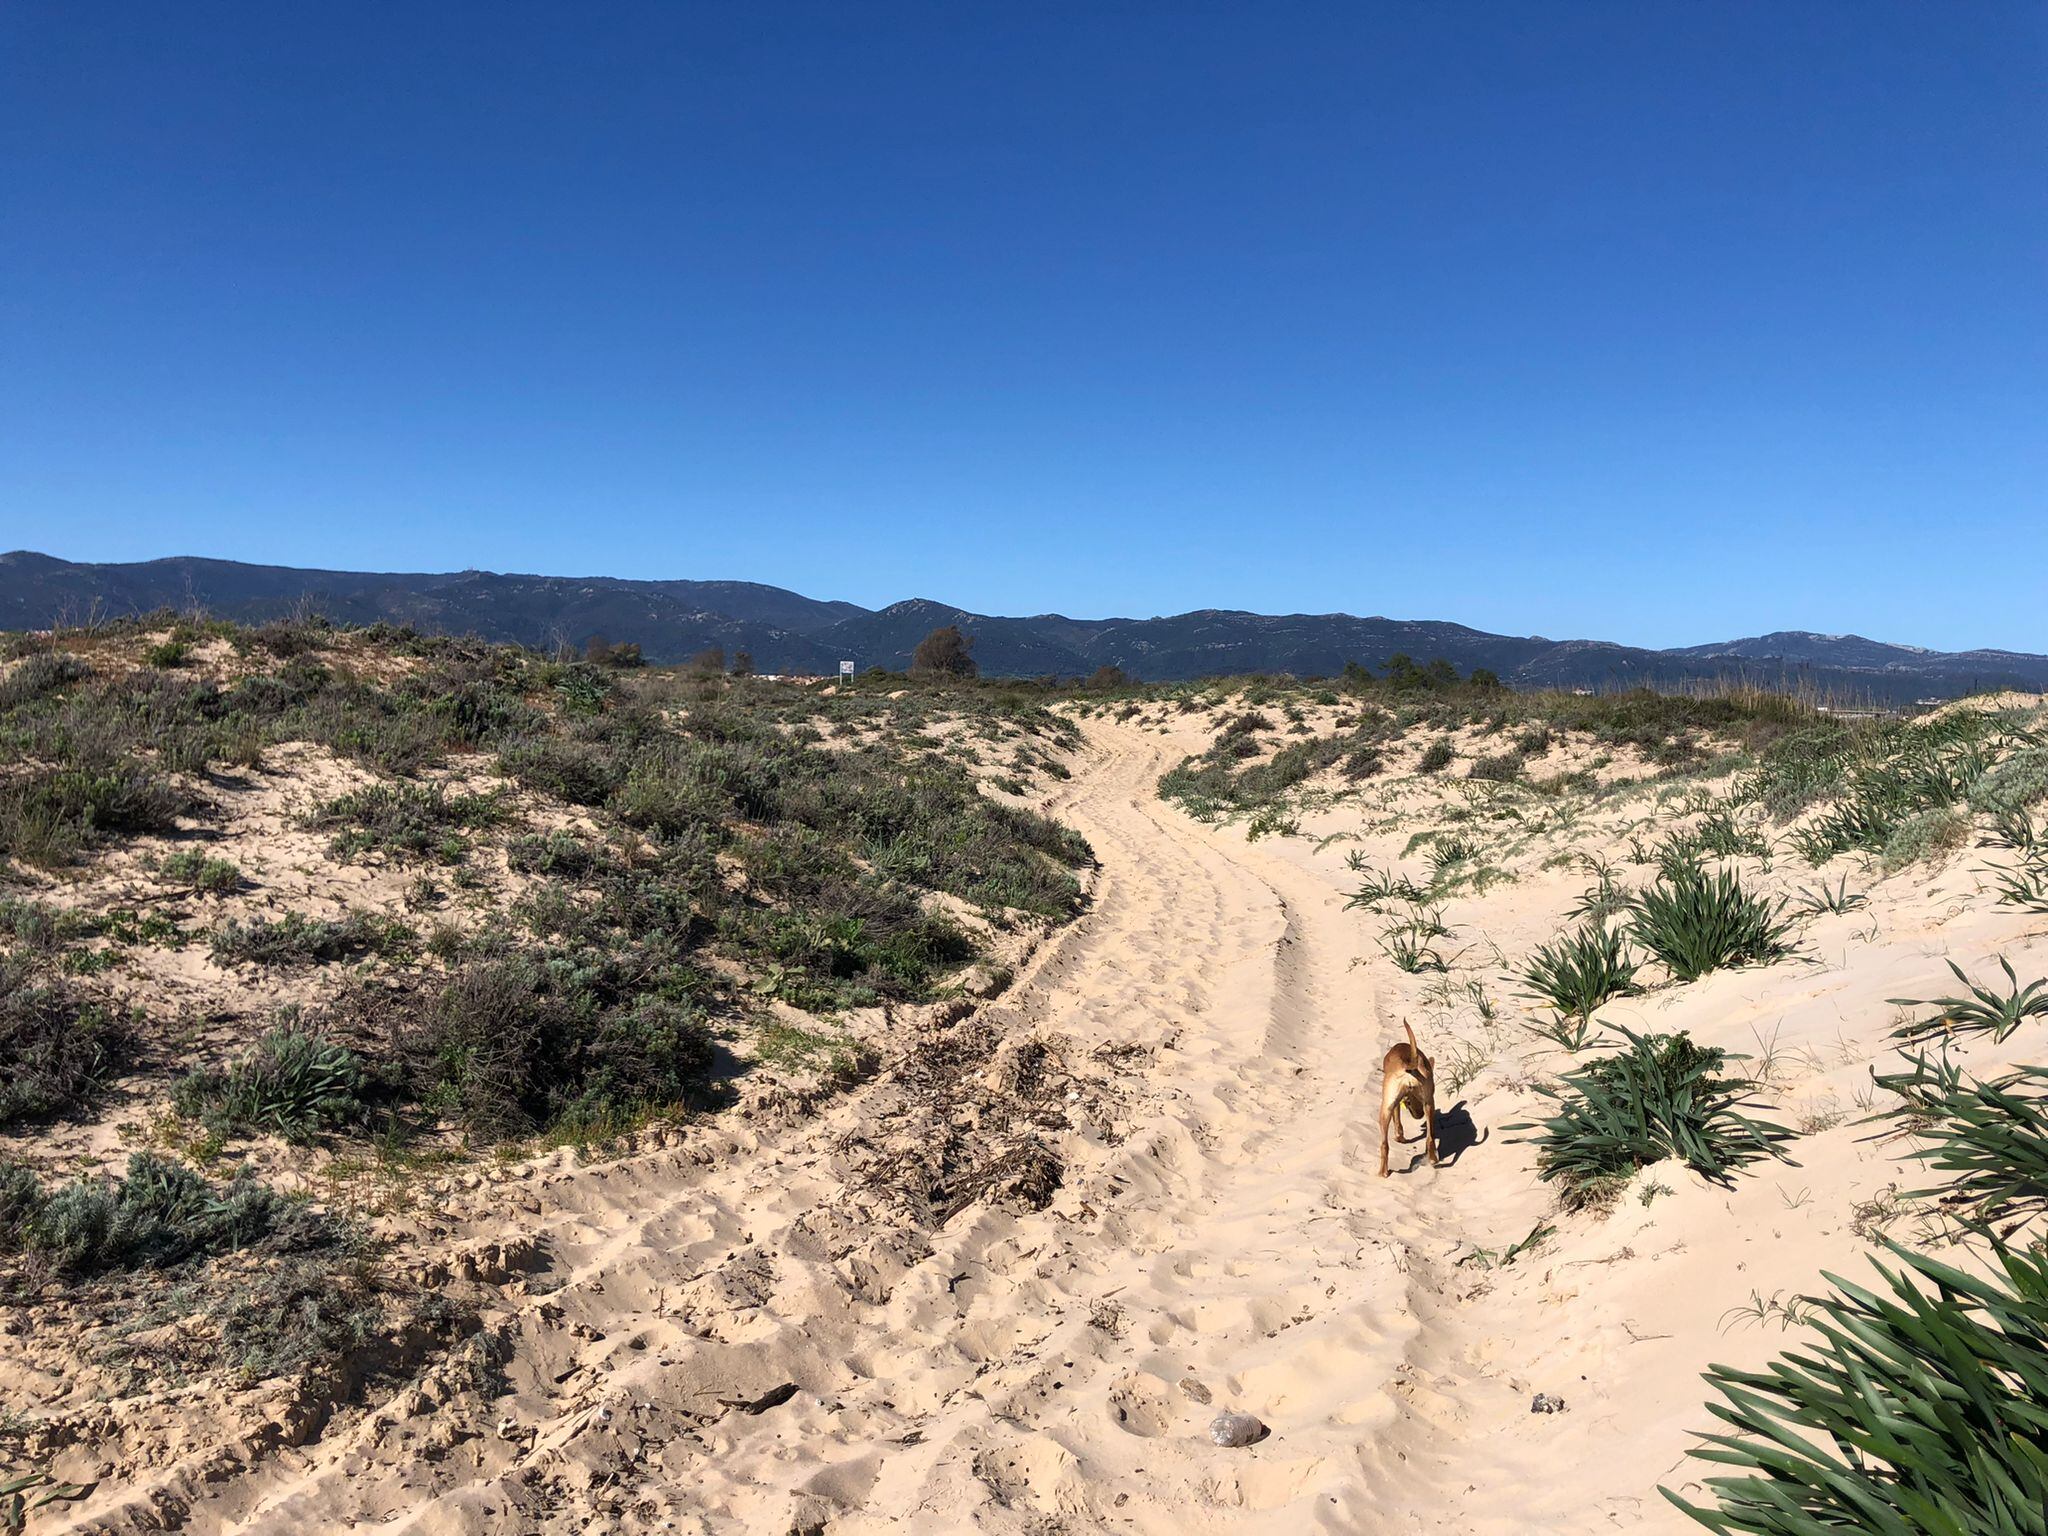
[1220, 1240]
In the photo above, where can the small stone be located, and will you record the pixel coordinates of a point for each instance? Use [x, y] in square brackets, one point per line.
[1544, 1402]
[1195, 1389]
[1235, 1429]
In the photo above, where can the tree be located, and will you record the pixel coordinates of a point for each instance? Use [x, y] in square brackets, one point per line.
[1484, 677]
[944, 653]
[1108, 676]
[597, 650]
[742, 663]
[710, 660]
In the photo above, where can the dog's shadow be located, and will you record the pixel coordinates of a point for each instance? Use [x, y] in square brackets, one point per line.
[1455, 1132]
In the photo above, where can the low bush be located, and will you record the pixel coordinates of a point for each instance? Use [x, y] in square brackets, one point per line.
[51, 816]
[1925, 836]
[414, 820]
[1695, 922]
[208, 876]
[511, 1043]
[559, 853]
[1661, 1096]
[298, 940]
[57, 1048]
[156, 1216]
[1503, 767]
[1436, 757]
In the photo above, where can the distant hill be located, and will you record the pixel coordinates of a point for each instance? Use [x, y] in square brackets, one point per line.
[788, 632]
[670, 620]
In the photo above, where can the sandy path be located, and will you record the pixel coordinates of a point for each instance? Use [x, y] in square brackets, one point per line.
[1226, 1244]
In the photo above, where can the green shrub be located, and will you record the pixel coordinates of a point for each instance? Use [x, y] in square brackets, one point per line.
[298, 940]
[1695, 922]
[159, 1215]
[1436, 756]
[1916, 1411]
[51, 816]
[1502, 767]
[1662, 1096]
[292, 1083]
[1579, 973]
[168, 653]
[57, 1049]
[208, 876]
[409, 819]
[560, 853]
[1926, 836]
[509, 1044]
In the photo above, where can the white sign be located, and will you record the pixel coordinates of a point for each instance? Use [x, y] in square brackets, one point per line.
[846, 669]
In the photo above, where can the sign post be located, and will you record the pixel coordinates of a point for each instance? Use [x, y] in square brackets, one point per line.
[846, 669]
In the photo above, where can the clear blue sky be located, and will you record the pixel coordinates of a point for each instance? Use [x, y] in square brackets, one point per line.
[1655, 322]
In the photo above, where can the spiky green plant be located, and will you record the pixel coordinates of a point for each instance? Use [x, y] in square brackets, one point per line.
[1659, 1096]
[1380, 887]
[1984, 1011]
[1448, 854]
[2014, 829]
[1602, 899]
[2025, 887]
[1407, 945]
[293, 1083]
[1990, 1137]
[1918, 1411]
[1816, 900]
[1581, 971]
[1697, 922]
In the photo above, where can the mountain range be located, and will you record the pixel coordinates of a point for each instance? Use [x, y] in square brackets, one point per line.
[786, 632]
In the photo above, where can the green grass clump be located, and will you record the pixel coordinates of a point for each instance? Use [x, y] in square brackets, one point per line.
[57, 1048]
[1695, 922]
[1661, 1096]
[1989, 1137]
[1916, 1407]
[1380, 887]
[1436, 757]
[1582, 971]
[292, 1083]
[1985, 1011]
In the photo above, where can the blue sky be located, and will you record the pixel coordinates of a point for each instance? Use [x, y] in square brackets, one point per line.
[1654, 322]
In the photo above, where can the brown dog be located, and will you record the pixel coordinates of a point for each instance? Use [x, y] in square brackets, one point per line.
[1407, 1078]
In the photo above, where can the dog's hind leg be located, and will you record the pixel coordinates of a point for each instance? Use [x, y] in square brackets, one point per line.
[1429, 1119]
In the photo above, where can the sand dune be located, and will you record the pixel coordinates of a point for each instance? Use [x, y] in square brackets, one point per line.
[750, 1330]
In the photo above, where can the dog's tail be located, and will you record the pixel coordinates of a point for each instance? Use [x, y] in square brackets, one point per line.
[1413, 1044]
